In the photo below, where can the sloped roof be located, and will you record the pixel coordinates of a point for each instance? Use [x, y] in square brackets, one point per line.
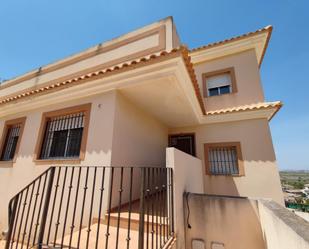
[251, 107]
[146, 60]
[268, 29]
[180, 51]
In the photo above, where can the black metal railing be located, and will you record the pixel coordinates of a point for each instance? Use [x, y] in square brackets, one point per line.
[94, 207]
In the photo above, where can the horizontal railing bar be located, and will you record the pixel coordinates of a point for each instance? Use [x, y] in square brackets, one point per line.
[28, 185]
[103, 166]
[82, 166]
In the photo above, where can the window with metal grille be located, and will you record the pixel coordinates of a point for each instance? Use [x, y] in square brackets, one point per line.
[63, 136]
[10, 143]
[224, 159]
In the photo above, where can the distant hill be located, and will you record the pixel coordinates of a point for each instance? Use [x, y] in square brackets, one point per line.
[295, 171]
[295, 178]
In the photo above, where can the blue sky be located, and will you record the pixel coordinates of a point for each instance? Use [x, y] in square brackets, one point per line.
[37, 32]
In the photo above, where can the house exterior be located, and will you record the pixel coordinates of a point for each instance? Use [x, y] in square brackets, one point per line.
[125, 101]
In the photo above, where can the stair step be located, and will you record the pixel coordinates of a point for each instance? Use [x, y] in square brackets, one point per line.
[134, 224]
[53, 247]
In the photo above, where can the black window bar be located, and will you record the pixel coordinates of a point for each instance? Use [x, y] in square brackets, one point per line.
[10, 144]
[63, 136]
[223, 160]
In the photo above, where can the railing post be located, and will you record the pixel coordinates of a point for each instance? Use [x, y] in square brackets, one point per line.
[12, 213]
[172, 201]
[46, 206]
[141, 211]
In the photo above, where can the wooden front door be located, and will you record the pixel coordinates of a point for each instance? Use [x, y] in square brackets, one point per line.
[183, 142]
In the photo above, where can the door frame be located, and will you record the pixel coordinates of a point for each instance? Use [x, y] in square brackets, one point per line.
[184, 134]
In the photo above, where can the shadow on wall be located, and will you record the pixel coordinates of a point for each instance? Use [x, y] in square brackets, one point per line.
[222, 185]
[261, 175]
[97, 152]
[13, 179]
[100, 126]
[108, 137]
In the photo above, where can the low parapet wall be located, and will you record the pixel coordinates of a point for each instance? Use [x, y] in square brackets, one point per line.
[222, 222]
[282, 228]
[241, 223]
[188, 177]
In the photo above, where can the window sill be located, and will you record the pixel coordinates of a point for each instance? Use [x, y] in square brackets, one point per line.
[57, 161]
[6, 164]
[220, 95]
[226, 175]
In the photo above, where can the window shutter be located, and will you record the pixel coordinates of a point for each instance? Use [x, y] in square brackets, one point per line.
[219, 80]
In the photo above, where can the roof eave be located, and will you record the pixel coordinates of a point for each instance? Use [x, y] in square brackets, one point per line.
[206, 48]
[180, 53]
[269, 32]
[265, 110]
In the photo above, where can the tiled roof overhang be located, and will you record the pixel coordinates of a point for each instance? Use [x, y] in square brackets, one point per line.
[253, 107]
[181, 51]
[267, 29]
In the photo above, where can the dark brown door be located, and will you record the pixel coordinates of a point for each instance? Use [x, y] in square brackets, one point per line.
[183, 142]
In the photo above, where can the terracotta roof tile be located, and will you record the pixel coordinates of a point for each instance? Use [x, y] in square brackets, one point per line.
[252, 107]
[265, 29]
[268, 29]
[183, 51]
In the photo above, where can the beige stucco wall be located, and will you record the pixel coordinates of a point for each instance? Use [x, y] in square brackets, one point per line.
[282, 229]
[249, 88]
[188, 177]
[261, 174]
[232, 222]
[120, 134]
[303, 215]
[139, 140]
[241, 223]
[98, 149]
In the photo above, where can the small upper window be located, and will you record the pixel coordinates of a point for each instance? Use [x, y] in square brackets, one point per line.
[223, 159]
[12, 134]
[219, 82]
